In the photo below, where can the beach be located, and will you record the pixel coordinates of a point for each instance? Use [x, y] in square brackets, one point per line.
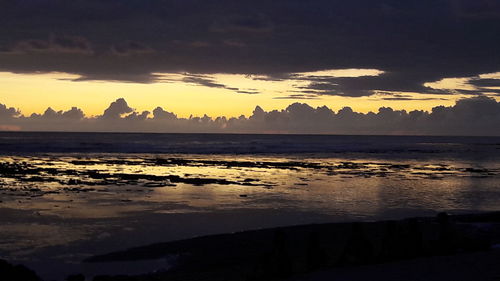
[78, 195]
[417, 248]
[445, 247]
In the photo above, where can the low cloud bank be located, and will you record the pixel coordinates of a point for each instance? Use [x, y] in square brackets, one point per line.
[472, 116]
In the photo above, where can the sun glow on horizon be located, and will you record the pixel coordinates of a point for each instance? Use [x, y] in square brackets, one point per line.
[214, 95]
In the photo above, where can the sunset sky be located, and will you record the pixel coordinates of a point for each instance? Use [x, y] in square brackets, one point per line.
[35, 92]
[223, 58]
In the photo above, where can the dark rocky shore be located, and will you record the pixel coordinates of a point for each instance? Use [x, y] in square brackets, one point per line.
[320, 252]
[81, 175]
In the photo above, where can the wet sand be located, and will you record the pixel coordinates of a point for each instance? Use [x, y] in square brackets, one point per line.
[462, 247]
[432, 248]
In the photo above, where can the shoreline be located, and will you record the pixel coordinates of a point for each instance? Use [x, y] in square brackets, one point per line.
[289, 252]
[316, 251]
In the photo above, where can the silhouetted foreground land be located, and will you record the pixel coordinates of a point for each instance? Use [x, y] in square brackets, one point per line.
[458, 247]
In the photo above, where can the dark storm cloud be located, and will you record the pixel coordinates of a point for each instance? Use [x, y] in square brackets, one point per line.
[396, 97]
[473, 116]
[55, 44]
[130, 48]
[235, 43]
[366, 85]
[481, 9]
[205, 81]
[298, 97]
[248, 92]
[485, 82]
[413, 41]
[409, 98]
[243, 23]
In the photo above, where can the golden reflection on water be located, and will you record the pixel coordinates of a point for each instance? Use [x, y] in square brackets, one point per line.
[357, 183]
[106, 186]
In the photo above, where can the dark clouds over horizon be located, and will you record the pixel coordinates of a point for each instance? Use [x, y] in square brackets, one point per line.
[472, 116]
[414, 42]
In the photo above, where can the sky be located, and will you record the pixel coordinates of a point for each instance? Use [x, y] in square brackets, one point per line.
[228, 57]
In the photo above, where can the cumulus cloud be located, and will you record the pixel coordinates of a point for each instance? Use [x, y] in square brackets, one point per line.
[117, 109]
[161, 114]
[50, 114]
[479, 115]
[8, 112]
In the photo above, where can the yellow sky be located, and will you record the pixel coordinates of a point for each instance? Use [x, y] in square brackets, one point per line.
[35, 92]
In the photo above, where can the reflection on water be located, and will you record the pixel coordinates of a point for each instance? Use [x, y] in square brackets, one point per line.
[111, 186]
[56, 200]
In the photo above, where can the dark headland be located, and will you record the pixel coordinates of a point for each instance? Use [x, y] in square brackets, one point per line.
[445, 247]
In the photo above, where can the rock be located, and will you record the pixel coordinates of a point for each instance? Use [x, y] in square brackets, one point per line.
[76, 277]
[9, 272]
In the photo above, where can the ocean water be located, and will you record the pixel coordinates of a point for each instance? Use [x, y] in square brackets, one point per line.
[396, 146]
[67, 196]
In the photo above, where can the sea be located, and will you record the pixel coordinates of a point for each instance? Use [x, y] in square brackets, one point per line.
[67, 196]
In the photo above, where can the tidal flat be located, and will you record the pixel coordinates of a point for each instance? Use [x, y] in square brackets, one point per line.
[59, 209]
